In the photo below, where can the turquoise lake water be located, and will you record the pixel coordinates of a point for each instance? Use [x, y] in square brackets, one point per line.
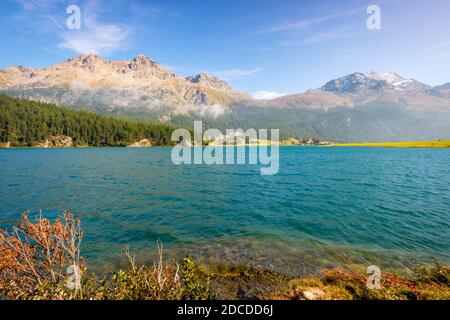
[326, 207]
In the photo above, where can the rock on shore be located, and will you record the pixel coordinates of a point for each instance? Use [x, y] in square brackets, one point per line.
[59, 141]
[144, 143]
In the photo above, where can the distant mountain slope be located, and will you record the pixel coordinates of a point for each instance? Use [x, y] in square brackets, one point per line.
[445, 86]
[442, 91]
[359, 89]
[360, 82]
[28, 123]
[90, 81]
[369, 123]
[356, 107]
[311, 99]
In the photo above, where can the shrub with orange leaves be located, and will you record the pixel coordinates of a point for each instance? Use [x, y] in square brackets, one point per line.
[38, 253]
[41, 260]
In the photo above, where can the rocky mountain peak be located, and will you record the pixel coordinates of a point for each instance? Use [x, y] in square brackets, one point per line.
[86, 62]
[84, 59]
[209, 81]
[89, 80]
[442, 90]
[16, 69]
[89, 57]
[197, 78]
[351, 83]
[445, 86]
[371, 81]
[141, 58]
[142, 62]
[148, 66]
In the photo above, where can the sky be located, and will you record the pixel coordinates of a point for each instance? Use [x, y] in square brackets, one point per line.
[266, 48]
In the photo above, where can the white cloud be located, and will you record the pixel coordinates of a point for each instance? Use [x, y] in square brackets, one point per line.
[267, 95]
[297, 25]
[328, 36]
[302, 24]
[214, 111]
[78, 85]
[210, 110]
[96, 38]
[30, 5]
[233, 74]
[436, 47]
[320, 37]
[226, 74]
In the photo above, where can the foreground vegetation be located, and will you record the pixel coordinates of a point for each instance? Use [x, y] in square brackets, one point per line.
[41, 260]
[416, 144]
[26, 123]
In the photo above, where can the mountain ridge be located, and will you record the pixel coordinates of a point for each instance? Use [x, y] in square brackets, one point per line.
[357, 107]
[141, 81]
[141, 89]
[144, 83]
[357, 89]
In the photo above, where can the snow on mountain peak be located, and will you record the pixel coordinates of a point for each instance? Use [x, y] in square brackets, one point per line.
[357, 82]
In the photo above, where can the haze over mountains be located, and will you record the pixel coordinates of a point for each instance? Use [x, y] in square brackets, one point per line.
[359, 89]
[360, 106]
[90, 81]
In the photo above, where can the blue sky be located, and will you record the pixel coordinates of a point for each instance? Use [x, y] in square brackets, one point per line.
[277, 46]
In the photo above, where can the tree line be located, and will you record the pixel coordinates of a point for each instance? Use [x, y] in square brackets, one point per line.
[26, 123]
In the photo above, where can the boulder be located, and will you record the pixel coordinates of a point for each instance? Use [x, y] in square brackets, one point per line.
[59, 141]
[313, 294]
[43, 144]
[144, 143]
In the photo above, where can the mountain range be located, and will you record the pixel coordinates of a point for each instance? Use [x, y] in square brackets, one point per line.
[143, 89]
[358, 89]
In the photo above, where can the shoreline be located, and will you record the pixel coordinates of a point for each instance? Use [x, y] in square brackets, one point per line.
[243, 283]
[445, 144]
[234, 282]
[185, 279]
[433, 144]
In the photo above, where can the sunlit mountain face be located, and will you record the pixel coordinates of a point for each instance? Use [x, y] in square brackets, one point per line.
[359, 106]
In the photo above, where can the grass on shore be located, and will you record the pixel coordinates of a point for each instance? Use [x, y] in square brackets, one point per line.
[37, 260]
[427, 283]
[413, 144]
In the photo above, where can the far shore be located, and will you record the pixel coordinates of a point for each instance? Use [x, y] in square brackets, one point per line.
[436, 144]
[57, 246]
[411, 144]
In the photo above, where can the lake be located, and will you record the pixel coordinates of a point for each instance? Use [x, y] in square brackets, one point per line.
[326, 207]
